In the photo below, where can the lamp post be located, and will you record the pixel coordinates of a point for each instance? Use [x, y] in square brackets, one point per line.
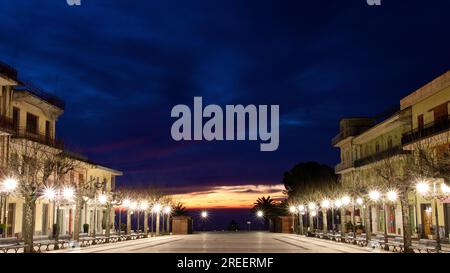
[312, 210]
[157, 210]
[434, 194]
[167, 210]
[301, 211]
[390, 196]
[293, 210]
[336, 204]
[326, 204]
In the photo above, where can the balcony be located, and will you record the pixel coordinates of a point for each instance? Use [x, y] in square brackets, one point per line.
[8, 71]
[428, 130]
[342, 166]
[397, 150]
[21, 132]
[6, 124]
[352, 131]
[37, 92]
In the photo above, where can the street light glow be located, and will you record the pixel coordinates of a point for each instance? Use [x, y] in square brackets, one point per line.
[126, 203]
[9, 184]
[133, 205]
[359, 201]
[313, 213]
[301, 208]
[326, 203]
[167, 209]
[204, 214]
[68, 193]
[422, 187]
[102, 199]
[49, 193]
[338, 203]
[392, 196]
[311, 206]
[374, 195]
[346, 200]
[292, 209]
[156, 208]
[143, 205]
[445, 189]
[260, 213]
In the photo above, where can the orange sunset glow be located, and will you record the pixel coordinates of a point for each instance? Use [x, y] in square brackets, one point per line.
[240, 196]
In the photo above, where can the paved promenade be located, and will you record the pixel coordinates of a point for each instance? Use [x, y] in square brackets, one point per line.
[228, 242]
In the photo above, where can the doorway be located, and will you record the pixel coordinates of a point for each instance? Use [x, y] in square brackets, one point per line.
[11, 219]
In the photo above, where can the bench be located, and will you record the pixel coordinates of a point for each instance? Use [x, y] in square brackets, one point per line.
[349, 238]
[9, 243]
[378, 240]
[425, 245]
[361, 239]
[396, 244]
[85, 239]
[40, 241]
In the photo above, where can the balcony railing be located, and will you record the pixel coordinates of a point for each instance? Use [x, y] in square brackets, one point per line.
[6, 124]
[397, 150]
[8, 71]
[342, 166]
[21, 132]
[38, 92]
[428, 130]
[352, 131]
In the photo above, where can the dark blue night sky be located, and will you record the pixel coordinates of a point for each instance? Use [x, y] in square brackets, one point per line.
[122, 65]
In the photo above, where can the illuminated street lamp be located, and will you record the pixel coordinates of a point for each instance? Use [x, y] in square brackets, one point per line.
[345, 200]
[392, 196]
[204, 214]
[374, 195]
[259, 213]
[49, 193]
[9, 185]
[293, 210]
[359, 201]
[102, 199]
[301, 211]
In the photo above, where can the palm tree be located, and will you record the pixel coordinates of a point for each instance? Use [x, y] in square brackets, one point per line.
[267, 205]
[179, 209]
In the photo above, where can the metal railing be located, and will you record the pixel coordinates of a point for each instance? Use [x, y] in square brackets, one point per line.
[428, 130]
[352, 131]
[379, 156]
[38, 92]
[6, 123]
[22, 132]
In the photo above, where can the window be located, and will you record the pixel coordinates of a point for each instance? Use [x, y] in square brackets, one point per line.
[389, 142]
[47, 130]
[16, 117]
[32, 123]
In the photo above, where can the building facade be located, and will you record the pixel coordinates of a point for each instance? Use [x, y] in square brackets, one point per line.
[28, 118]
[423, 116]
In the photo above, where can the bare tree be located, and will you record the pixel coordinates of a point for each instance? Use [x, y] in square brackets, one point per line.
[34, 167]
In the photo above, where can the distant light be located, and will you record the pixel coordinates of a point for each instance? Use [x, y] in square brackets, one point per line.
[49, 193]
[156, 208]
[9, 184]
[392, 196]
[143, 205]
[422, 187]
[313, 213]
[133, 205]
[311, 206]
[374, 195]
[445, 189]
[260, 213]
[326, 203]
[301, 208]
[68, 193]
[167, 209]
[346, 200]
[292, 209]
[102, 199]
[338, 203]
[126, 203]
[359, 201]
[204, 214]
